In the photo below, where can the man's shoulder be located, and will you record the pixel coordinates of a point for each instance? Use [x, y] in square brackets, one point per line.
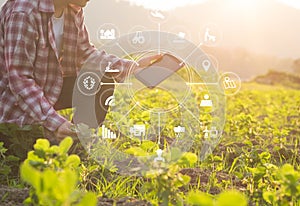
[75, 8]
[24, 6]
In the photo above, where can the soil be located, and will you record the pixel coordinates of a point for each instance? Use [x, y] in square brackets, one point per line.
[122, 202]
[202, 177]
[12, 196]
[15, 196]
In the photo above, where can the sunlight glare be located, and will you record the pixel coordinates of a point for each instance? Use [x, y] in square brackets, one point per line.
[292, 3]
[164, 4]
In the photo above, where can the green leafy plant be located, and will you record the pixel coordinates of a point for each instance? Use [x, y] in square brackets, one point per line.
[53, 176]
[286, 190]
[166, 181]
[261, 134]
[227, 198]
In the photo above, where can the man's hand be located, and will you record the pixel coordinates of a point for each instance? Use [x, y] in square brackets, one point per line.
[64, 130]
[136, 67]
[146, 61]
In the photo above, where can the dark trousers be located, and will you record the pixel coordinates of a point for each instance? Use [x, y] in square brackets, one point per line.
[90, 110]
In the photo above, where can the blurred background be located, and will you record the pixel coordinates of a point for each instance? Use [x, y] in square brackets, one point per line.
[257, 35]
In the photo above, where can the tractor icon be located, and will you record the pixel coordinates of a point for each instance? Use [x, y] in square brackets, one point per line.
[138, 38]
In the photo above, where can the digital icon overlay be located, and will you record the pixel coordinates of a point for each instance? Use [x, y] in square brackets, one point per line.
[160, 107]
[230, 83]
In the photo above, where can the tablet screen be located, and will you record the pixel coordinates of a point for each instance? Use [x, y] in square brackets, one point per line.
[160, 70]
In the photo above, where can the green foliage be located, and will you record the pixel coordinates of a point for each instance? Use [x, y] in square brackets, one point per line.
[53, 176]
[259, 155]
[286, 188]
[6, 163]
[106, 182]
[227, 198]
[20, 139]
[231, 198]
[143, 148]
[197, 198]
[167, 180]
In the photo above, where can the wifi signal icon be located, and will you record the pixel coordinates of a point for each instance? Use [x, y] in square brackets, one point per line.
[110, 101]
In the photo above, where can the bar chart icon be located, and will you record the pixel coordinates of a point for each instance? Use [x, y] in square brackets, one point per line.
[107, 133]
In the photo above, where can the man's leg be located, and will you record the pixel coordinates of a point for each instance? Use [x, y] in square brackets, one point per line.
[90, 110]
[65, 99]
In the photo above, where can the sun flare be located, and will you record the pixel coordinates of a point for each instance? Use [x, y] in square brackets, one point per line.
[292, 3]
[164, 4]
[173, 4]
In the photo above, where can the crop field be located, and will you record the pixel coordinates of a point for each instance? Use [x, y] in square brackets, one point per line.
[256, 162]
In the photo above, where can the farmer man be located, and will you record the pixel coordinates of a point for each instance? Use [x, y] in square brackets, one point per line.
[43, 45]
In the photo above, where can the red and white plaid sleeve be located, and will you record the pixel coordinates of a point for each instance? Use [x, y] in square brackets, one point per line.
[87, 51]
[20, 52]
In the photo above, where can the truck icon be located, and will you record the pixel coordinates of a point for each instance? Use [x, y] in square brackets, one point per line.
[179, 129]
[138, 130]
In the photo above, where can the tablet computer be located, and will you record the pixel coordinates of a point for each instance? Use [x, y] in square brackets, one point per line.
[159, 70]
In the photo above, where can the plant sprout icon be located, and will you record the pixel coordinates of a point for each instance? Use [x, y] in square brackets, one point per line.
[89, 83]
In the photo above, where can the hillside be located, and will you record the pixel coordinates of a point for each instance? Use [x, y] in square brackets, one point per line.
[277, 78]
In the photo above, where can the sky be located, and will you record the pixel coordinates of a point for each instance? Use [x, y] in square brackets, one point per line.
[172, 4]
[269, 27]
[165, 4]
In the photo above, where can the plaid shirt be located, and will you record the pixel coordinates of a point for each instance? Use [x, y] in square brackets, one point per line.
[31, 72]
